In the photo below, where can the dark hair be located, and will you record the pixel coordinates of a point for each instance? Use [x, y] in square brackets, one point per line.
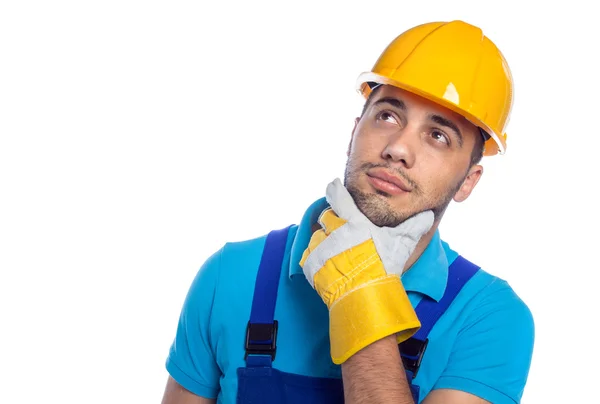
[478, 148]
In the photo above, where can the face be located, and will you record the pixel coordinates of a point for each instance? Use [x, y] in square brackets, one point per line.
[408, 155]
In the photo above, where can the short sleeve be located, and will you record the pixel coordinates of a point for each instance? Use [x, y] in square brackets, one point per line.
[191, 361]
[492, 353]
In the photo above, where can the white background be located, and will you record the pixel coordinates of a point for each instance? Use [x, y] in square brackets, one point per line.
[136, 137]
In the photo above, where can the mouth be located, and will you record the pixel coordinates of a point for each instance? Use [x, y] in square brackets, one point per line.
[383, 181]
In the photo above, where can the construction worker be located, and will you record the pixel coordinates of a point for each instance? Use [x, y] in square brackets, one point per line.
[362, 302]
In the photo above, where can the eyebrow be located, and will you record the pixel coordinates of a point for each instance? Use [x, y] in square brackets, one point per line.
[394, 102]
[440, 120]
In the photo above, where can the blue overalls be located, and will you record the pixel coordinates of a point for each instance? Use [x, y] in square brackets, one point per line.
[260, 382]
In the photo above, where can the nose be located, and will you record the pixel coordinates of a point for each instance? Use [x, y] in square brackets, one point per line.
[401, 147]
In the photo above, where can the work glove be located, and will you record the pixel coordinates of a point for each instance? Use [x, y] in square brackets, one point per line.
[355, 267]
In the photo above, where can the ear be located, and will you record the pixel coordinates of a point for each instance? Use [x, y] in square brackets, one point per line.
[469, 183]
[356, 121]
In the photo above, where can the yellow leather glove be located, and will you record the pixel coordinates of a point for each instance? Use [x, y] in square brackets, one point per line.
[355, 267]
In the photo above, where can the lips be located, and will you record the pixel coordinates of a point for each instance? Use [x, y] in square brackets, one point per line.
[381, 175]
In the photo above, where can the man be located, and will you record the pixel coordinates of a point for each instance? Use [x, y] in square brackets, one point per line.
[363, 302]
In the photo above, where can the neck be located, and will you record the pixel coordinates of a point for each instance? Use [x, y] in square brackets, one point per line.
[421, 246]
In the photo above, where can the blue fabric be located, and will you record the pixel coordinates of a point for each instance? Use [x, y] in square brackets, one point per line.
[482, 344]
[269, 385]
[265, 292]
[265, 295]
[266, 384]
[429, 311]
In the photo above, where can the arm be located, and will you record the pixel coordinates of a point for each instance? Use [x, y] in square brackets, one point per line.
[489, 362]
[448, 396]
[175, 394]
[376, 375]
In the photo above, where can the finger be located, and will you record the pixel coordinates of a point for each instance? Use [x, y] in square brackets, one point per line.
[317, 238]
[329, 221]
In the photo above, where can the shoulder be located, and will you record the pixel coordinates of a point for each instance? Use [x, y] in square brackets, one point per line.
[231, 271]
[488, 296]
[490, 300]
[232, 260]
[493, 296]
[243, 257]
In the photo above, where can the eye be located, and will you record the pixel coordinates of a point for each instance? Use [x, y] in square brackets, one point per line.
[387, 117]
[440, 136]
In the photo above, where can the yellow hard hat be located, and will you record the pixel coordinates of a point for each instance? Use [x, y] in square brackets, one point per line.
[454, 65]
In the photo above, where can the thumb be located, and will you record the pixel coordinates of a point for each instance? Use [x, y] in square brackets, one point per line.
[342, 203]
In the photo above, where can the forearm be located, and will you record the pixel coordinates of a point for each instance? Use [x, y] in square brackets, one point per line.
[376, 375]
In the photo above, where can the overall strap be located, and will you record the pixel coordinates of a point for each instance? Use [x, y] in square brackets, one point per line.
[261, 333]
[429, 312]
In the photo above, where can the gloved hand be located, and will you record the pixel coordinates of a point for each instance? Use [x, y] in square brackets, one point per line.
[355, 267]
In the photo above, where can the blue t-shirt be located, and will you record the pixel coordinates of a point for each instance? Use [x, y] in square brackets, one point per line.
[482, 344]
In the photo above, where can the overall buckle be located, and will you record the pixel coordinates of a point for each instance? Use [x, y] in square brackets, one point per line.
[412, 351]
[261, 339]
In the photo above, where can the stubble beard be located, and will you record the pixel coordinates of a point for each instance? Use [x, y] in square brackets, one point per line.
[377, 209]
